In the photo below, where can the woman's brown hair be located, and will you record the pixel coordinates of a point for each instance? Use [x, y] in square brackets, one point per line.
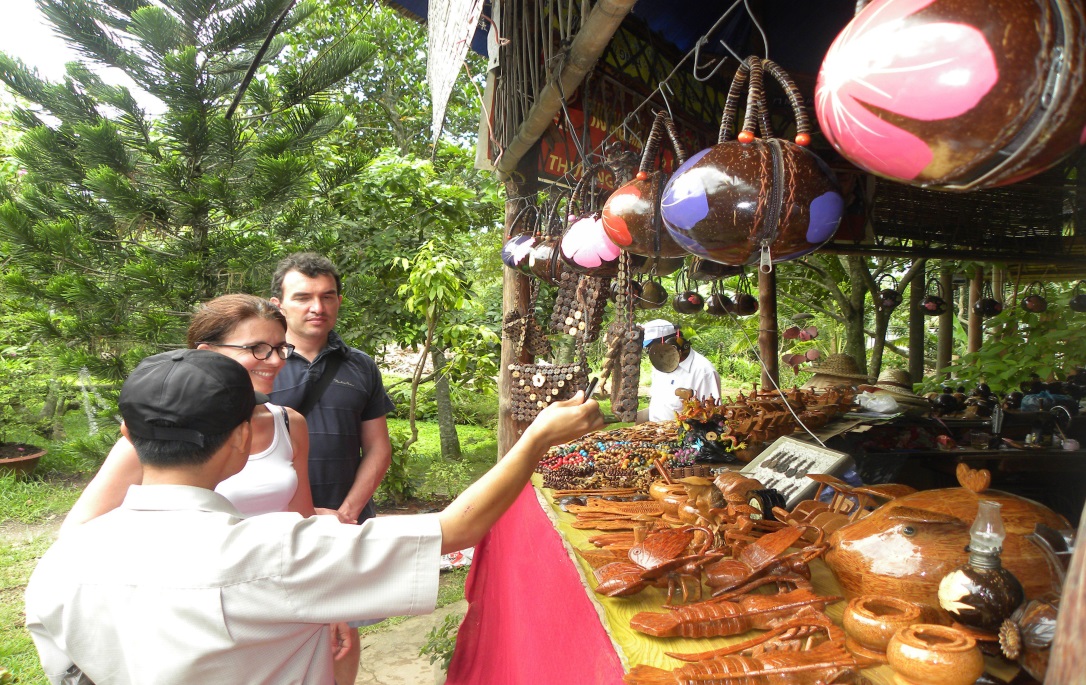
[214, 320]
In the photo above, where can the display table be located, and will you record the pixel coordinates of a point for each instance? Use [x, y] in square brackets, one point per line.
[534, 618]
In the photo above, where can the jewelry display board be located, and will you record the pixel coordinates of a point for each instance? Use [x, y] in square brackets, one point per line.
[784, 466]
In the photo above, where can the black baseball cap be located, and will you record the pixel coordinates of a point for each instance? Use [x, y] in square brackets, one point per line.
[186, 395]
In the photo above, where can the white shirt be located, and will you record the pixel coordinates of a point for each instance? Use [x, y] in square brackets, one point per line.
[268, 481]
[695, 373]
[175, 587]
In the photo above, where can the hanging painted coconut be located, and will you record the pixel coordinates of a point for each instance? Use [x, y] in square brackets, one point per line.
[517, 251]
[631, 216]
[957, 94]
[585, 246]
[753, 199]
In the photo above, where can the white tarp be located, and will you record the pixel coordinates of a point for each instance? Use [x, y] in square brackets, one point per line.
[450, 25]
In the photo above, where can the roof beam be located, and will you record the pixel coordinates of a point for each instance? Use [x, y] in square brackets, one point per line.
[591, 40]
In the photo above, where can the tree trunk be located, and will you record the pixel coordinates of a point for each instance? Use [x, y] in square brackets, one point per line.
[878, 343]
[446, 422]
[855, 338]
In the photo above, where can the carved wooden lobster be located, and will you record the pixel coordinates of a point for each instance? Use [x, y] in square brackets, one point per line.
[659, 560]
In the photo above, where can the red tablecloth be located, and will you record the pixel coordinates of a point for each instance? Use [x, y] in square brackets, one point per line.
[529, 619]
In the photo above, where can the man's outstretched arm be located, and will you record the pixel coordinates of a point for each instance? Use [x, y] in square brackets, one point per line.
[470, 516]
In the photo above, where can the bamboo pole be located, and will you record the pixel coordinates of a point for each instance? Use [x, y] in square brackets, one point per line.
[946, 321]
[917, 327]
[768, 340]
[976, 321]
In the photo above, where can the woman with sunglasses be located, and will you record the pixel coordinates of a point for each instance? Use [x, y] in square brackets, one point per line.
[252, 331]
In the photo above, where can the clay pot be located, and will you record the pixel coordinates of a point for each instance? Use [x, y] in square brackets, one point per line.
[987, 307]
[1078, 303]
[900, 98]
[635, 290]
[1035, 303]
[653, 296]
[720, 305]
[870, 621]
[688, 302]
[932, 305]
[745, 304]
[22, 466]
[928, 654]
[889, 299]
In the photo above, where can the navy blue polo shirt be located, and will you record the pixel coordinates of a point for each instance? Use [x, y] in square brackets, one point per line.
[356, 394]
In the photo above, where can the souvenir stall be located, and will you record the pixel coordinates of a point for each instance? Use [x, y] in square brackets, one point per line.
[771, 535]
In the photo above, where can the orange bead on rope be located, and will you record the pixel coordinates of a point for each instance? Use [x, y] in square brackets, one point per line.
[745, 136]
[803, 139]
[642, 176]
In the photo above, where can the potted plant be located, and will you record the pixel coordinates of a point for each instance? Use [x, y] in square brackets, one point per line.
[19, 458]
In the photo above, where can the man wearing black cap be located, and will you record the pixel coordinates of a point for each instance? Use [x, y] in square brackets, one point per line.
[176, 587]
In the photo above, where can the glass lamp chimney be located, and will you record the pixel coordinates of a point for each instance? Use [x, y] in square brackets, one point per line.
[986, 535]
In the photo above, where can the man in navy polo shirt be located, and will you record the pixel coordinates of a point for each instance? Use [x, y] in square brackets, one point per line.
[349, 448]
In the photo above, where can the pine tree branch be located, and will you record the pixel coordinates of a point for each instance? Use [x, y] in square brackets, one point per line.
[256, 60]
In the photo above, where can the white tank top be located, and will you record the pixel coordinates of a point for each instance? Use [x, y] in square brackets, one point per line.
[268, 481]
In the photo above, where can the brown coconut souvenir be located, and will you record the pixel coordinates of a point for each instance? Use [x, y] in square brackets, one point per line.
[631, 215]
[906, 546]
[754, 199]
[585, 247]
[956, 94]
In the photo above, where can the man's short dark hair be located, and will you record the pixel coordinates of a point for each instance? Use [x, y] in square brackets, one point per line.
[309, 264]
[177, 452]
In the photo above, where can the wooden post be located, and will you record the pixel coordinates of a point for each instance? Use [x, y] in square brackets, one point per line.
[946, 321]
[768, 343]
[917, 326]
[976, 321]
[1067, 660]
[515, 296]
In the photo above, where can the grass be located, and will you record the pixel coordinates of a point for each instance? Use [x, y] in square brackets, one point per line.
[17, 653]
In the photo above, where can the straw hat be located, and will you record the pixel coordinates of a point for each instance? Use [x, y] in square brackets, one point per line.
[898, 378]
[840, 366]
[896, 383]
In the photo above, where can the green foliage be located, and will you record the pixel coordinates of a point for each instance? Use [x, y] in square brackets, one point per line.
[449, 478]
[397, 484]
[123, 219]
[441, 641]
[1020, 343]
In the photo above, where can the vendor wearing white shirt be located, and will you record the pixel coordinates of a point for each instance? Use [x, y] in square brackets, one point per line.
[674, 366]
